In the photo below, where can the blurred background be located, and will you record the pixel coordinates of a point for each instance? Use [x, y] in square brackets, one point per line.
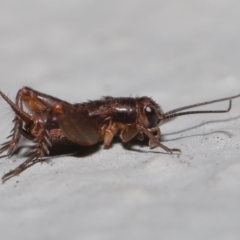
[179, 53]
[119, 48]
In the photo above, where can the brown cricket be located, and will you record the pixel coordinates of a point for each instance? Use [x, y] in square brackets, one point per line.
[50, 121]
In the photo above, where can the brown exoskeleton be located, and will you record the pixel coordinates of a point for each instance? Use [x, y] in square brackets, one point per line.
[51, 121]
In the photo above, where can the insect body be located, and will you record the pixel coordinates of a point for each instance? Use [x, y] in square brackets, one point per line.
[51, 121]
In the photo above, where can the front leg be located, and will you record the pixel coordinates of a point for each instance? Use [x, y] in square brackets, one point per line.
[155, 141]
[156, 132]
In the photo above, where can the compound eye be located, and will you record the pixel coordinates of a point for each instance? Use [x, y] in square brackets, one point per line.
[151, 115]
[149, 109]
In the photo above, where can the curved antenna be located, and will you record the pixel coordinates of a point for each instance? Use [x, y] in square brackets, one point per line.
[177, 112]
[197, 112]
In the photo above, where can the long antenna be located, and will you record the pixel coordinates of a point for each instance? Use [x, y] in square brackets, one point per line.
[177, 112]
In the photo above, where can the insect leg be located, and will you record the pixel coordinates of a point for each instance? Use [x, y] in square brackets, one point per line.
[153, 140]
[128, 133]
[157, 133]
[109, 133]
[33, 159]
[35, 102]
[10, 146]
[39, 134]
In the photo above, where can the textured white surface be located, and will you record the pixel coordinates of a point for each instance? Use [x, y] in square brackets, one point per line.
[179, 53]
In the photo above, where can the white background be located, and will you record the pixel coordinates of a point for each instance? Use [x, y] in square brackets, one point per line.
[179, 53]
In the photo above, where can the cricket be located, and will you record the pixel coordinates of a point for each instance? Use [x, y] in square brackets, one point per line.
[50, 121]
